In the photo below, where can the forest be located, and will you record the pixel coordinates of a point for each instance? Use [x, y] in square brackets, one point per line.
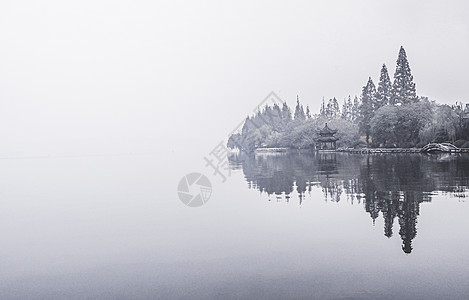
[389, 115]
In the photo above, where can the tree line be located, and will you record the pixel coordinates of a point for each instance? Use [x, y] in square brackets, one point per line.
[389, 115]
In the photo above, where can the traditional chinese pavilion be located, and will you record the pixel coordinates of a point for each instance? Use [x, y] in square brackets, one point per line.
[326, 139]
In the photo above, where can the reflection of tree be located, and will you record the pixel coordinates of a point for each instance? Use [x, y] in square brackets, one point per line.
[408, 212]
[390, 185]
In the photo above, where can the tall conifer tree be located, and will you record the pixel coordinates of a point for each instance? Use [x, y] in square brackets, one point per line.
[347, 108]
[367, 108]
[335, 108]
[286, 113]
[355, 110]
[322, 111]
[383, 94]
[299, 111]
[344, 110]
[403, 88]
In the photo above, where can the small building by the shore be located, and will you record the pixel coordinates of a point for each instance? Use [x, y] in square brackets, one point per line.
[326, 139]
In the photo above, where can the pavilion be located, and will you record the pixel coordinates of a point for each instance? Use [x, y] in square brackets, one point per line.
[326, 139]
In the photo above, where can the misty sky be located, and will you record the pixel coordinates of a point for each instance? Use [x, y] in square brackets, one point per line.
[92, 74]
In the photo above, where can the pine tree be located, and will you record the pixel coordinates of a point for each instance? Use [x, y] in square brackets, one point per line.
[308, 113]
[286, 113]
[403, 88]
[276, 117]
[350, 108]
[329, 109]
[367, 108]
[299, 111]
[355, 110]
[344, 110]
[335, 108]
[267, 115]
[322, 111]
[347, 109]
[332, 110]
[383, 94]
[246, 126]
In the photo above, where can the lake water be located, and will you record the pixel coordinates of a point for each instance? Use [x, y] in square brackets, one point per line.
[324, 226]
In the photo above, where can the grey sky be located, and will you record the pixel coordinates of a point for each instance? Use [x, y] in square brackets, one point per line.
[121, 70]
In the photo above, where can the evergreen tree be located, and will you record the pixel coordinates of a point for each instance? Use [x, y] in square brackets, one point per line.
[367, 108]
[355, 110]
[335, 108]
[322, 111]
[329, 109]
[267, 115]
[308, 113]
[286, 113]
[299, 111]
[276, 117]
[247, 127]
[350, 108]
[344, 110]
[347, 109]
[383, 94]
[332, 109]
[403, 89]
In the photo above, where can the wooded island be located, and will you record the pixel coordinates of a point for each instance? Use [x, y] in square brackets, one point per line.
[390, 115]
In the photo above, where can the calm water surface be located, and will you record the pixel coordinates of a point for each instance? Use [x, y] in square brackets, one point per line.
[322, 226]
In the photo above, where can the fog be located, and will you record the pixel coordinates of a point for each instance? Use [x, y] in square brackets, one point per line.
[105, 106]
[96, 77]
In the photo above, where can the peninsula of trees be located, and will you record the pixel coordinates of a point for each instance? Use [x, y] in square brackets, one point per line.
[389, 115]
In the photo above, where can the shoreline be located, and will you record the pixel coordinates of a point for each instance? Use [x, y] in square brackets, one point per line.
[431, 148]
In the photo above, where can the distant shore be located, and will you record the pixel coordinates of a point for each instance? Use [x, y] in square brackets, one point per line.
[430, 148]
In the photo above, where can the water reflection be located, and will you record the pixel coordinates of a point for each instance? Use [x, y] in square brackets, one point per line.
[393, 185]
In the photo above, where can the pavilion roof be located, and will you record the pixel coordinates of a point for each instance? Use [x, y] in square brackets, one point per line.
[326, 131]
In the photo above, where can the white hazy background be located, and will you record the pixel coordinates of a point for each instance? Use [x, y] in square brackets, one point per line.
[104, 77]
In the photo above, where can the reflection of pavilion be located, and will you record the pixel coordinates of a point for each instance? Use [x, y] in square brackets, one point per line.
[327, 163]
[390, 186]
[326, 139]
